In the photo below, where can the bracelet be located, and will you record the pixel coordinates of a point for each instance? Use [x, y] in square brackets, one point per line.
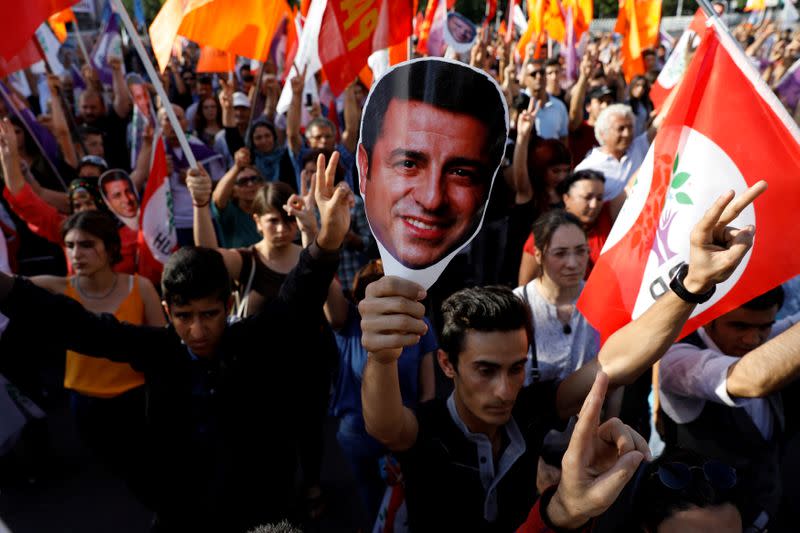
[683, 293]
[202, 205]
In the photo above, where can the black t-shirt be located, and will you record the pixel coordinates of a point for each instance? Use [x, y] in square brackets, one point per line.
[444, 491]
[115, 138]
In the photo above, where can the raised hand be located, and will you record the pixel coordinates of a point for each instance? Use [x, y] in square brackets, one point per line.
[242, 158]
[9, 152]
[303, 206]
[391, 317]
[334, 203]
[717, 249]
[599, 462]
[225, 94]
[199, 184]
[526, 119]
[298, 82]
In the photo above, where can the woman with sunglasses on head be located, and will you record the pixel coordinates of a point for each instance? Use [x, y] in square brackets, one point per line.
[259, 271]
[107, 398]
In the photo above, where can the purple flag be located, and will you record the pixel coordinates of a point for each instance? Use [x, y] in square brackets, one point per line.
[788, 89]
[569, 52]
[109, 44]
[42, 135]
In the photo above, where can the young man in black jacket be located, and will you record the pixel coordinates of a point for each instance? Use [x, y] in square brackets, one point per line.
[219, 396]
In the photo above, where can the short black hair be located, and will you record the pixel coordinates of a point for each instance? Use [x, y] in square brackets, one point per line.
[654, 502]
[546, 225]
[567, 183]
[450, 86]
[768, 300]
[85, 131]
[100, 225]
[492, 308]
[552, 62]
[193, 273]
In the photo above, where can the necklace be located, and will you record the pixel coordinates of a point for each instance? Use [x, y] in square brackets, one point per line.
[92, 297]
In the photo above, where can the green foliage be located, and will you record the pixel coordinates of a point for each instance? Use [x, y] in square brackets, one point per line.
[151, 8]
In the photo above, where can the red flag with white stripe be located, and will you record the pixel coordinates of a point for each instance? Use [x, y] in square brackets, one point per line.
[157, 235]
[702, 151]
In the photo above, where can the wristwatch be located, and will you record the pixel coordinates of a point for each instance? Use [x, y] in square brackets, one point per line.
[683, 293]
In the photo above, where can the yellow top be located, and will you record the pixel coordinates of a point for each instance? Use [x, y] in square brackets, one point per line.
[98, 377]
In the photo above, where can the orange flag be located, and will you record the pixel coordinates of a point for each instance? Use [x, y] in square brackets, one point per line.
[534, 29]
[554, 21]
[638, 22]
[241, 27]
[583, 14]
[213, 60]
[58, 23]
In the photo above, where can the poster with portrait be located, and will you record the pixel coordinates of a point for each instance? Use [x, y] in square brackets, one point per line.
[119, 195]
[433, 135]
[459, 32]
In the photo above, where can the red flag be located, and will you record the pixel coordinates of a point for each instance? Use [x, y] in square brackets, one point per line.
[701, 152]
[157, 235]
[677, 61]
[353, 29]
[27, 56]
[19, 22]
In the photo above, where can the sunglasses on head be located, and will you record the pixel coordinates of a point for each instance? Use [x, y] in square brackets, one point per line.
[678, 476]
[247, 180]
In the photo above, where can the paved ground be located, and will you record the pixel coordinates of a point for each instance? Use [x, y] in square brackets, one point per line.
[76, 494]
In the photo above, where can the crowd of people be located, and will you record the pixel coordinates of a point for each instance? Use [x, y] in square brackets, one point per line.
[483, 403]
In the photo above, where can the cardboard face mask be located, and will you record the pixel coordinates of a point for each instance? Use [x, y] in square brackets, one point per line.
[459, 32]
[433, 135]
[120, 196]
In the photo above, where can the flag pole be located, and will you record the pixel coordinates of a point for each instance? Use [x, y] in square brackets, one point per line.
[81, 44]
[253, 100]
[151, 72]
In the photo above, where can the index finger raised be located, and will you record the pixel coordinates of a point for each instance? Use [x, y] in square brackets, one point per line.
[589, 417]
[733, 209]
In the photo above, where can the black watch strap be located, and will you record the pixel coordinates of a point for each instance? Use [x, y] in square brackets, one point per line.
[679, 288]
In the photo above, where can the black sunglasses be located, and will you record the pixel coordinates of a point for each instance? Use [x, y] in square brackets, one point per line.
[678, 476]
[248, 180]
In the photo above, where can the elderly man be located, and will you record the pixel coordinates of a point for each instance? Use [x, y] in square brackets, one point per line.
[619, 155]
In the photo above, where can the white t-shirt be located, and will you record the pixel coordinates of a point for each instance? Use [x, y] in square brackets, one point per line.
[616, 171]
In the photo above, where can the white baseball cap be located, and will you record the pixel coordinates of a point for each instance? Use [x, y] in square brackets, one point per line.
[240, 100]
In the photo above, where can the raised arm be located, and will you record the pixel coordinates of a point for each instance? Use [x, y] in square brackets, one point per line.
[122, 96]
[60, 127]
[199, 184]
[293, 138]
[522, 183]
[391, 318]
[578, 95]
[768, 368]
[224, 190]
[716, 250]
[9, 158]
[141, 171]
[226, 103]
[352, 119]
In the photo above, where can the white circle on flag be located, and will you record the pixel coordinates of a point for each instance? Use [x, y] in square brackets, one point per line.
[703, 174]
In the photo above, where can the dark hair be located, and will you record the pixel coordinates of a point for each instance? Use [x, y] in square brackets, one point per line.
[648, 52]
[100, 225]
[273, 196]
[200, 122]
[29, 144]
[564, 187]
[85, 131]
[547, 224]
[493, 308]
[262, 123]
[768, 300]
[89, 186]
[192, 273]
[543, 154]
[372, 271]
[552, 62]
[312, 155]
[654, 502]
[451, 87]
